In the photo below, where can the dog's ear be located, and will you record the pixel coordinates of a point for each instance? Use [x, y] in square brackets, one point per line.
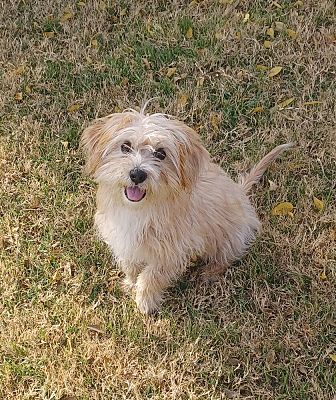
[98, 137]
[90, 143]
[193, 157]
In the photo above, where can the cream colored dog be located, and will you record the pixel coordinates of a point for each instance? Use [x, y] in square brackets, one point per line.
[161, 201]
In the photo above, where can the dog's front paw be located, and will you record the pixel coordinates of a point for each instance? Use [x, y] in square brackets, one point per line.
[127, 285]
[148, 303]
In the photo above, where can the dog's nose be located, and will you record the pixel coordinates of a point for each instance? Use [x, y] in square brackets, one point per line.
[137, 175]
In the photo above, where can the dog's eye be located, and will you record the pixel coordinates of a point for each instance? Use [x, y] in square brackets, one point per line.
[126, 147]
[160, 154]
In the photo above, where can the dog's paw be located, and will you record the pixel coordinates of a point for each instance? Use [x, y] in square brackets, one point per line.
[127, 285]
[149, 303]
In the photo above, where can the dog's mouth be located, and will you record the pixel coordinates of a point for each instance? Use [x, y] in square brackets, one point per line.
[134, 193]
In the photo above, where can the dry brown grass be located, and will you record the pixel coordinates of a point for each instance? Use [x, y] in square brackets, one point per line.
[67, 331]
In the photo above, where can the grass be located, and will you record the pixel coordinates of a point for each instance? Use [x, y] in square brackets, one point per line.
[266, 330]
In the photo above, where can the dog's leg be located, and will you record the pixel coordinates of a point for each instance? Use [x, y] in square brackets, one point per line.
[131, 271]
[212, 271]
[151, 284]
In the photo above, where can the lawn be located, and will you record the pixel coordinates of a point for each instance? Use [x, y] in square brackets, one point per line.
[267, 329]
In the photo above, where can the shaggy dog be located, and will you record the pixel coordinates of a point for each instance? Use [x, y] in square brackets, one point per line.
[161, 201]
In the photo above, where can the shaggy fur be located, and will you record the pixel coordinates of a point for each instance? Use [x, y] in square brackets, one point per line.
[186, 207]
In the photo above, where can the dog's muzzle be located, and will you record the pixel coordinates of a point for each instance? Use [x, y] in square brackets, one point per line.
[138, 175]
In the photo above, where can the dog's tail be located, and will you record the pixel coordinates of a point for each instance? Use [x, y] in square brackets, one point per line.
[254, 176]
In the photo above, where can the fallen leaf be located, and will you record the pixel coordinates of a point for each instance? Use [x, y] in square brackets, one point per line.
[298, 4]
[292, 34]
[123, 12]
[284, 208]
[285, 103]
[319, 205]
[94, 43]
[333, 357]
[279, 26]
[323, 276]
[28, 89]
[312, 103]
[182, 100]
[277, 5]
[257, 109]
[333, 234]
[200, 81]
[95, 328]
[146, 62]
[170, 72]
[270, 32]
[246, 17]
[73, 107]
[18, 96]
[20, 70]
[57, 276]
[189, 33]
[214, 120]
[66, 16]
[49, 35]
[81, 4]
[267, 44]
[274, 71]
[102, 6]
[238, 35]
[273, 185]
[260, 67]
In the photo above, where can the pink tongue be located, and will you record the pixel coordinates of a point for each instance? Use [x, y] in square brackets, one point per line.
[134, 193]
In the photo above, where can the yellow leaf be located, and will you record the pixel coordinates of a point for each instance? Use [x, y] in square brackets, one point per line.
[238, 35]
[200, 81]
[94, 43]
[292, 34]
[333, 357]
[81, 4]
[323, 276]
[277, 5]
[319, 205]
[270, 32]
[298, 4]
[189, 33]
[28, 89]
[102, 6]
[286, 103]
[257, 110]
[214, 120]
[66, 16]
[274, 71]
[18, 96]
[182, 100]
[49, 35]
[279, 26]
[20, 70]
[267, 44]
[312, 103]
[283, 209]
[73, 107]
[170, 72]
[246, 17]
[260, 67]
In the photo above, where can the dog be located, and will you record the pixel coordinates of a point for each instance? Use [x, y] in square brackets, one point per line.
[161, 201]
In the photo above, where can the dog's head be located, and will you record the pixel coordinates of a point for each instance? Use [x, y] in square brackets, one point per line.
[143, 157]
